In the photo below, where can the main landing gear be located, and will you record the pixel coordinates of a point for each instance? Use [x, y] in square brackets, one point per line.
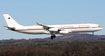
[53, 36]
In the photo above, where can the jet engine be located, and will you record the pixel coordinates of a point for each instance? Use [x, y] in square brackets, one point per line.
[64, 32]
[54, 29]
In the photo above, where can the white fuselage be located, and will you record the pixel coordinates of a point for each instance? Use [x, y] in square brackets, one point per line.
[71, 28]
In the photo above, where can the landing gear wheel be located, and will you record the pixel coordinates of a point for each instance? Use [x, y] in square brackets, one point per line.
[53, 36]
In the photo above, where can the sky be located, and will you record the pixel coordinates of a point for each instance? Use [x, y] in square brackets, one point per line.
[28, 12]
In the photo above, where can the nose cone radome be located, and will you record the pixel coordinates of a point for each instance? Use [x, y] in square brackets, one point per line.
[101, 28]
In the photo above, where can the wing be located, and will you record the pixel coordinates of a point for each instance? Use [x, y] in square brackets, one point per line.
[53, 30]
[44, 26]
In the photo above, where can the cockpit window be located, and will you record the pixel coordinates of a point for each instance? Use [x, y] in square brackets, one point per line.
[99, 26]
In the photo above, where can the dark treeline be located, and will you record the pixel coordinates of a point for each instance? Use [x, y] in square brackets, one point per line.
[55, 49]
[72, 45]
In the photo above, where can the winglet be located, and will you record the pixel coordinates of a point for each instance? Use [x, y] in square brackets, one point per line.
[44, 26]
[39, 24]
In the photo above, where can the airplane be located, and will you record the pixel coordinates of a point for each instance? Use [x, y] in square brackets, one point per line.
[50, 29]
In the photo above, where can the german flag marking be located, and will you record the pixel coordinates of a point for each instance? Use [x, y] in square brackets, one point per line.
[8, 17]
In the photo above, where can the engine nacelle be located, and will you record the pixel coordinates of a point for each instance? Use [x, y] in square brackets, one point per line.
[53, 29]
[64, 32]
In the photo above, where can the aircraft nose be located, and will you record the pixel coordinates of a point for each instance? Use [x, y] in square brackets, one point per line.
[101, 27]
